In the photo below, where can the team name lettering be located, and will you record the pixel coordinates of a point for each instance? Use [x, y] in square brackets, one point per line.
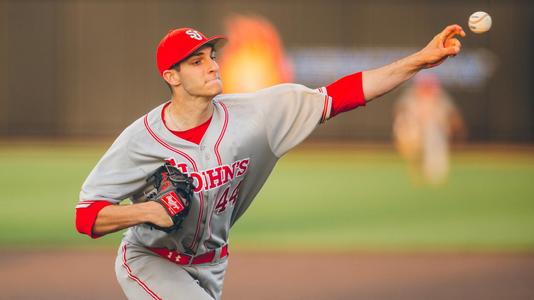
[215, 177]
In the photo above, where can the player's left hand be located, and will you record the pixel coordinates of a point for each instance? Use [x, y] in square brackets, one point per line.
[174, 191]
[443, 45]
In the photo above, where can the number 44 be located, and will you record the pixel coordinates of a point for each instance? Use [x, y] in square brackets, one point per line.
[224, 200]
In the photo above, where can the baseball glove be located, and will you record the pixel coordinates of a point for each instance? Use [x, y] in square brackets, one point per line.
[174, 191]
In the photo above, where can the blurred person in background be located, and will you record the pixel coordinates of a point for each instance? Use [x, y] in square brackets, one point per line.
[425, 120]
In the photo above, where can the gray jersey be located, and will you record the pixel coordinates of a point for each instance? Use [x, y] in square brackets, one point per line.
[248, 133]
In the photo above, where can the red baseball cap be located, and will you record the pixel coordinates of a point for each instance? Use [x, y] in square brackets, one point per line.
[180, 43]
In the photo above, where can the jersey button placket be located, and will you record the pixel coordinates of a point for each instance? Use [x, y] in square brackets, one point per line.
[205, 157]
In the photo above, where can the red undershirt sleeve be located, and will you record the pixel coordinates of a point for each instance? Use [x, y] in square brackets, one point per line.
[86, 212]
[346, 93]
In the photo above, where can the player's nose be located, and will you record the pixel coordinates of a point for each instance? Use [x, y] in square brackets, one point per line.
[213, 66]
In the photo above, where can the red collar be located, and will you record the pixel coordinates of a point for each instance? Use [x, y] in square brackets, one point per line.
[194, 135]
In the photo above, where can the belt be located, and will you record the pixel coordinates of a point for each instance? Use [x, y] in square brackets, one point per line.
[187, 259]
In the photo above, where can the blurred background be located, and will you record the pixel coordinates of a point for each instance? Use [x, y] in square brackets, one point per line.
[65, 62]
[386, 204]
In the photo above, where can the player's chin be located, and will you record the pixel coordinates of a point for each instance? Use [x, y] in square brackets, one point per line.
[214, 87]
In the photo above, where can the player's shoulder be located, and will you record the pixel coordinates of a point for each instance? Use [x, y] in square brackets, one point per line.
[273, 92]
[137, 130]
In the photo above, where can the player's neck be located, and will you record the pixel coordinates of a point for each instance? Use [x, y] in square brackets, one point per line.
[188, 112]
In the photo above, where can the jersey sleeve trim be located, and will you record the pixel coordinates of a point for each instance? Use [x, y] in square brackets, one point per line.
[327, 108]
[86, 213]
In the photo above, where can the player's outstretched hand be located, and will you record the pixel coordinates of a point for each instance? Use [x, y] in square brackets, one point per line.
[443, 45]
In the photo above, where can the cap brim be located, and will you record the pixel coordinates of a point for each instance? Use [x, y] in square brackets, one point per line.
[217, 42]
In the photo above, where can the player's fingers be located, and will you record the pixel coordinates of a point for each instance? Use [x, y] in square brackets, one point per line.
[456, 30]
[462, 33]
[454, 42]
[449, 32]
[453, 46]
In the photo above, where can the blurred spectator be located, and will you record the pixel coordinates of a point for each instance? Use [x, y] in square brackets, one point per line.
[425, 121]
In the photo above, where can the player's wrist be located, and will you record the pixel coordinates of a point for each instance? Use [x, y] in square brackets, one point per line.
[416, 62]
[150, 211]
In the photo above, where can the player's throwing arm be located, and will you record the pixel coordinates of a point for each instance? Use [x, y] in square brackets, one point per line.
[379, 81]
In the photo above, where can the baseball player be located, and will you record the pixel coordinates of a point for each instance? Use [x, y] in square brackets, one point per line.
[426, 118]
[228, 144]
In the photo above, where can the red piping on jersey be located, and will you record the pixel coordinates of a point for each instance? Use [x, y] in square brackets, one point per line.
[195, 168]
[193, 135]
[216, 149]
[324, 115]
[325, 109]
[135, 278]
[169, 146]
[219, 161]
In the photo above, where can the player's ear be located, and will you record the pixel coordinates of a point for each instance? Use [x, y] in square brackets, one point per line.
[172, 77]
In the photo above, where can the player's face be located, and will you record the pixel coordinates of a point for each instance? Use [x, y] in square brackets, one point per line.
[199, 74]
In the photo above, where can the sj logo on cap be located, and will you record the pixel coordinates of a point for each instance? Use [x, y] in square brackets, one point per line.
[194, 34]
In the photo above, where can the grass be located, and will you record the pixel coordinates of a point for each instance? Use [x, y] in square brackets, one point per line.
[365, 201]
[341, 200]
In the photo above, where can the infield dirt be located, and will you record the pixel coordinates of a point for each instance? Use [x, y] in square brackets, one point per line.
[89, 274]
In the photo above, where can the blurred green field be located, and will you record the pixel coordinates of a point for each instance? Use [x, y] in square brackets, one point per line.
[351, 198]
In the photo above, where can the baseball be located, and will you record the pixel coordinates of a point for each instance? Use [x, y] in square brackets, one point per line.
[480, 22]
